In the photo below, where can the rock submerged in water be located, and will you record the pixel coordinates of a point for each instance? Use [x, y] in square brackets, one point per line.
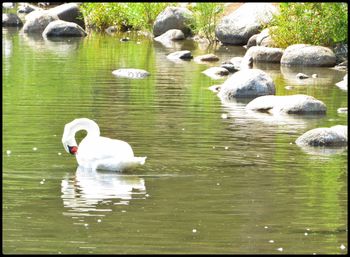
[216, 72]
[131, 73]
[247, 83]
[289, 104]
[184, 55]
[171, 34]
[206, 58]
[333, 136]
[61, 28]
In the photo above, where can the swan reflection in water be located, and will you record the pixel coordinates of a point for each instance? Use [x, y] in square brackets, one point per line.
[83, 192]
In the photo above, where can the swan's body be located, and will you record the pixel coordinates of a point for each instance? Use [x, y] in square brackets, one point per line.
[98, 152]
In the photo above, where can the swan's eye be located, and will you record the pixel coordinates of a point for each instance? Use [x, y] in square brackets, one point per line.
[72, 149]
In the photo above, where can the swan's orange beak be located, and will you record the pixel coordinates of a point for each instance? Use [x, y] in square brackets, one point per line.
[73, 149]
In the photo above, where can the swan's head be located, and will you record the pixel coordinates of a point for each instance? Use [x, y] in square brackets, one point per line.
[68, 140]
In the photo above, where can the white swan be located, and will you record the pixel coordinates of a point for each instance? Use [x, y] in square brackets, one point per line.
[98, 152]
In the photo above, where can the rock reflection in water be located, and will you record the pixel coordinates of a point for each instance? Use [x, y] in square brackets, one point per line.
[83, 192]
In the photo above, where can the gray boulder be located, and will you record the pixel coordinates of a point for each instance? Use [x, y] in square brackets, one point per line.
[237, 27]
[308, 55]
[289, 104]
[61, 28]
[37, 21]
[247, 83]
[333, 136]
[172, 18]
[68, 12]
[11, 20]
[264, 54]
[131, 73]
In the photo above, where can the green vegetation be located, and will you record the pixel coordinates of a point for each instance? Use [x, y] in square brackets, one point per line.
[310, 23]
[205, 19]
[141, 16]
[138, 16]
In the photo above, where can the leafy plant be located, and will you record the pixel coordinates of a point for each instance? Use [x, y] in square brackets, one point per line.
[139, 16]
[205, 19]
[310, 23]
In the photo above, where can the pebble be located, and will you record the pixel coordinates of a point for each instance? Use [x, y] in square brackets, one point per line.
[224, 116]
[305, 234]
[59, 153]
[194, 230]
[86, 224]
[342, 110]
[280, 249]
[35, 148]
[8, 152]
[342, 247]
[226, 147]
[98, 220]
[271, 241]
[266, 227]
[302, 76]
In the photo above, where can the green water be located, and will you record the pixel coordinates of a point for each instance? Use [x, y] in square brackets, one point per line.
[209, 185]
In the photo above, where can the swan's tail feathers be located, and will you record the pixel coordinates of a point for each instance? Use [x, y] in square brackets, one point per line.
[140, 160]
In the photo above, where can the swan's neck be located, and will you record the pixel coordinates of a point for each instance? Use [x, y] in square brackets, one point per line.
[90, 126]
[76, 125]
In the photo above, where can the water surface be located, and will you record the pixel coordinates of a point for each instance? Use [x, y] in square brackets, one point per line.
[209, 185]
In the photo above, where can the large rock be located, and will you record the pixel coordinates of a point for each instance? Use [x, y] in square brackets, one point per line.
[333, 136]
[308, 55]
[37, 21]
[69, 12]
[11, 20]
[61, 28]
[289, 104]
[247, 83]
[264, 54]
[247, 20]
[172, 18]
[131, 73]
